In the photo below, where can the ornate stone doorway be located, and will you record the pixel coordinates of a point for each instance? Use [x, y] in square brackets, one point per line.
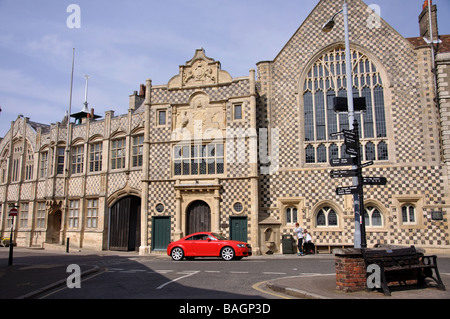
[198, 217]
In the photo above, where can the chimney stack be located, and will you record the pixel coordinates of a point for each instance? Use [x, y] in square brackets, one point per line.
[424, 22]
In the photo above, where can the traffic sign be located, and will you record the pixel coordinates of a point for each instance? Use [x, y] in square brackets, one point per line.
[13, 212]
[343, 173]
[343, 161]
[374, 181]
[348, 190]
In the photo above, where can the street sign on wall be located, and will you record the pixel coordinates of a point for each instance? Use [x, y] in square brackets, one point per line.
[13, 212]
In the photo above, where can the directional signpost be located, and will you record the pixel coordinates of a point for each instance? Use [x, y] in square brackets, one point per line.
[343, 173]
[348, 190]
[351, 142]
[374, 181]
[343, 161]
[352, 148]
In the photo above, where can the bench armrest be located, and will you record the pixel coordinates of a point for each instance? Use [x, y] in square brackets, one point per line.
[429, 260]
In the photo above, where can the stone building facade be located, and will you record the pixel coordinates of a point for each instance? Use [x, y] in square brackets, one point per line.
[249, 157]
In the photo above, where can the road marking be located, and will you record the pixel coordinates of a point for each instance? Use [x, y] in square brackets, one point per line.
[161, 271]
[239, 272]
[176, 279]
[259, 284]
[65, 286]
[213, 271]
[274, 273]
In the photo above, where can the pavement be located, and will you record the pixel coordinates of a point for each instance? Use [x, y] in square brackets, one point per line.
[31, 280]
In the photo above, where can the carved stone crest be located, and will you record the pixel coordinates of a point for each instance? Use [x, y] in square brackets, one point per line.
[200, 71]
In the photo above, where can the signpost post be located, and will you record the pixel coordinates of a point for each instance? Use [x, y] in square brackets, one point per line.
[12, 213]
[352, 145]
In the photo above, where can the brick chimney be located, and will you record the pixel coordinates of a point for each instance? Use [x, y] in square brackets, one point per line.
[424, 21]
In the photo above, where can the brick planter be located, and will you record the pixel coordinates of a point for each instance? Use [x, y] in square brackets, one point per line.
[350, 270]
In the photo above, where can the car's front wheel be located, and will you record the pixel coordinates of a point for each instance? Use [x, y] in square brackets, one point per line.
[227, 253]
[177, 254]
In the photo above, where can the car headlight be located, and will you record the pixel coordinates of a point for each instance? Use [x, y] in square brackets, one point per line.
[241, 245]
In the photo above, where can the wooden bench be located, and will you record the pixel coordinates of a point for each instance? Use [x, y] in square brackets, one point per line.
[328, 248]
[402, 264]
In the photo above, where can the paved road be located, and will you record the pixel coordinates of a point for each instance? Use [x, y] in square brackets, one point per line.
[156, 278]
[129, 276]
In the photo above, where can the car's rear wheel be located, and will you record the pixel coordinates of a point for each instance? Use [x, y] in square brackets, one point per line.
[177, 254]
[227, 253]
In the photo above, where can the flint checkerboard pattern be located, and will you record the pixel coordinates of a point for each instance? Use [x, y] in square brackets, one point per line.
[414, 167]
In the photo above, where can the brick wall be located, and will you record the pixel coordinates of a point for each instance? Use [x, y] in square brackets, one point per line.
[350, 270]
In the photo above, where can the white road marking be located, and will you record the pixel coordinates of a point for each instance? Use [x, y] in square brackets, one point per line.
[274, 273]
[239, 272]
[176, 279]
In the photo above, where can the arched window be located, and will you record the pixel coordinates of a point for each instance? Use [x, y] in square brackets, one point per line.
[373, 217]
[327, 79]
[326, 216]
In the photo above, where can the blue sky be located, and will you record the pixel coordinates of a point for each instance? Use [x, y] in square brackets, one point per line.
[122, 43]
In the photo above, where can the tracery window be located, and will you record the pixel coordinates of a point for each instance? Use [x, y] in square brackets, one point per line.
[373, 217]
[326, 217]
[327, 79]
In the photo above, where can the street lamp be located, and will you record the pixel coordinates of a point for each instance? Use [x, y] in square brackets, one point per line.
[327, 27]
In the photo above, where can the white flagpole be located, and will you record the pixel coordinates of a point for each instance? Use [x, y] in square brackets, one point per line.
[71, 87]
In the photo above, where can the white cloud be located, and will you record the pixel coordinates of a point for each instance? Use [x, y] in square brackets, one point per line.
[50, 44]
[16, 82]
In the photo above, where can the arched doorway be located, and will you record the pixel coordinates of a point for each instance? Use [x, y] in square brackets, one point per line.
[125, 224]
[198, 217]
[54, 227]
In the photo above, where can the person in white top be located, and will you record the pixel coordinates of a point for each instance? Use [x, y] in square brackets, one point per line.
[299, 233]
[308, 243]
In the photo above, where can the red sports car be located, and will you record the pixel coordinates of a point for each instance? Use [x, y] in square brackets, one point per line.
[207, 244]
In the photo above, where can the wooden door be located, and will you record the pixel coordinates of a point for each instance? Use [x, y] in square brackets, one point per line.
[125, 230]
[238, 229]
[160, 233]
[198, 217]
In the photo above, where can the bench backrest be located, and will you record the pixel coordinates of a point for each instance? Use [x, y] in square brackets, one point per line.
[392, 257]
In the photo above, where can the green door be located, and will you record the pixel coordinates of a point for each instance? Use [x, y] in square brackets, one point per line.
[238, 228]
[160, 233]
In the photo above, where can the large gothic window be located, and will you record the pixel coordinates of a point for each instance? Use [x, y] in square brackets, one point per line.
[327, 79]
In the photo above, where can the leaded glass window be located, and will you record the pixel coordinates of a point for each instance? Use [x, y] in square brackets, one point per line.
[327, 79]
